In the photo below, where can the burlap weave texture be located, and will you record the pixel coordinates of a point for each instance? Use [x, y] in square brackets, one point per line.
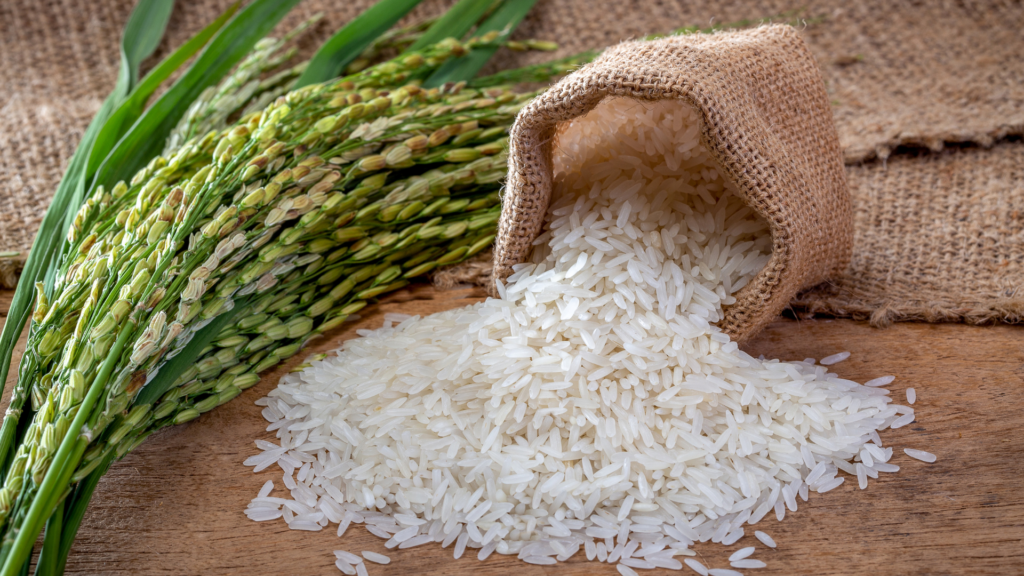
[897, 73]
[960, 216]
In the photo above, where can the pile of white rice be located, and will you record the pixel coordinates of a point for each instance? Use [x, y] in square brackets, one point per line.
[595, 405]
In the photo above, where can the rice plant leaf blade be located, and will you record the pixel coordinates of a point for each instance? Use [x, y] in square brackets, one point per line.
[129, 111]
[349, 42]
[146, 137]
[455, 23]
[75, 512]
[142, 35]
[170, 371]
[545, 71]
[53, 556]
[48, 555]
[503, 20]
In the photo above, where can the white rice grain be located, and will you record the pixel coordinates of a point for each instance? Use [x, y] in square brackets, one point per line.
[765, 539]
[267, 488]
[741, 554]
[376, 558]
[902, 421]
[625, 570]
[347, 557]
[749, 563]
[460, 545]
[882, 381]
[834, 359]
[696, 566]
[920, 455]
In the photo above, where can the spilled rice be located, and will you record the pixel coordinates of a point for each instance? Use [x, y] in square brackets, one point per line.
[594, 407]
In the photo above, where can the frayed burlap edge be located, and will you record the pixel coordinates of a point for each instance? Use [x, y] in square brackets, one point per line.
[882, 314]
[936, 142]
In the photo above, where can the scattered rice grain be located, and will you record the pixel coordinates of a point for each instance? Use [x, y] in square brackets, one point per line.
[920, 455]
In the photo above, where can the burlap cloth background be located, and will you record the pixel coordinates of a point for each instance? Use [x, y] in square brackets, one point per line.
[939, 235]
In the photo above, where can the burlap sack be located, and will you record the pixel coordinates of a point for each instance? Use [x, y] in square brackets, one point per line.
[766, 120]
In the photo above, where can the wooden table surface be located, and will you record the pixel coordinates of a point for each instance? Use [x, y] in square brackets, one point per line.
[175, 505]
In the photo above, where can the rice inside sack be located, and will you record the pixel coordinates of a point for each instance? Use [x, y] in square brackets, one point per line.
[594, 404]
[767, 120]
[636, 171]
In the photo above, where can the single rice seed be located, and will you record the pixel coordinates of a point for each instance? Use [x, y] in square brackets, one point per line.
[920, 455]
[882, 381]
[625, 570]
[696, 566]
[765, 539]
[834, 359]
[376, 558]
[741, 553]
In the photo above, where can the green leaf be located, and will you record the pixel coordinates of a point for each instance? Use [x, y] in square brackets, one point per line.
[41, 262]
[146, 137]
[455, 23]
[124, 115]
[79, 501]
[170, 371]
[139, 43]
[545, 71]
[130, 110]
[46, 565]
[349, 42]
[504, 20]
[142, 35]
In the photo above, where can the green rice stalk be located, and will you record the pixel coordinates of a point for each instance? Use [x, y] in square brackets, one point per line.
[146, 252]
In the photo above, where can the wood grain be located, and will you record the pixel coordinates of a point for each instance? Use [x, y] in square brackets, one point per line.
[174, 506]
